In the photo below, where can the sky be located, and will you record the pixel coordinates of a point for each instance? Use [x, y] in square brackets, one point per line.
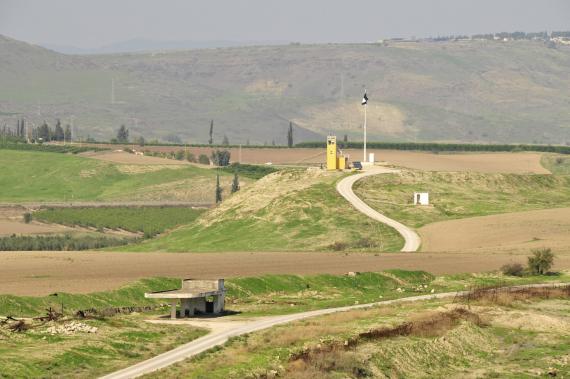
[96, 23]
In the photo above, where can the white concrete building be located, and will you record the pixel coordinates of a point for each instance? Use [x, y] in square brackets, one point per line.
[196, 296]
[421, 198]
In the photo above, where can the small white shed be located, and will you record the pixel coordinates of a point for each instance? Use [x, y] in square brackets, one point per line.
[421, 198]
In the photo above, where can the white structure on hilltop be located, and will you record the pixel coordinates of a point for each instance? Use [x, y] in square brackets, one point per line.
[421, 198]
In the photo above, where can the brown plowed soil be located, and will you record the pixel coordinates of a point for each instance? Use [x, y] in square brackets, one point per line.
[505, 232]
[42, 273]
[479, 162]
[132, 159]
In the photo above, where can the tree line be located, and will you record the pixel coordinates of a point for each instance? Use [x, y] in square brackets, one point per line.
[42, 133]
[437, 147]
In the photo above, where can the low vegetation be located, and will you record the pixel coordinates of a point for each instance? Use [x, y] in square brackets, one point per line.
[249, 170]
[526, 337]
[147, 220]
[557, 164]
[311, 348]
[449, 147]
[32, 176]
[288, 210]
[66, 242]
[65, 149]
[88, 348]
[461, 195]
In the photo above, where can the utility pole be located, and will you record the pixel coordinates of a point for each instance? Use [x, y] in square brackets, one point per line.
[112, 91]
[365, 106]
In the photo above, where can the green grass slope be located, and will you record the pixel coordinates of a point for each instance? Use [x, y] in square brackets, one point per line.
[556, 164]
[38, 176]
[292, 210]
[461, 195]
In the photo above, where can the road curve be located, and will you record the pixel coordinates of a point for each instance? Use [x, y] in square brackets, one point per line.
[216, 339]
[344, 187]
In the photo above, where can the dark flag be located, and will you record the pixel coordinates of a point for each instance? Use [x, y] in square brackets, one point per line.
[365, 99]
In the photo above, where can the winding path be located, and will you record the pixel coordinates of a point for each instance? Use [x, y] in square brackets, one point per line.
[218, 338]
[344, 187]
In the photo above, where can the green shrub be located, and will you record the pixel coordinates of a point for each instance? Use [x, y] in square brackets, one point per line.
[221, 157]
[60, 242]
[513, 269]
[190, 157]
[541, 261]
[203, 159]
[250, 170]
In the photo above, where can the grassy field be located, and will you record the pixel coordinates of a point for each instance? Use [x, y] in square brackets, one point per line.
[38, 176]
[557, 164]
[147, 220]
[507, 337]
[276, 294]
[126, 339]
[119, 342]
[461, 195]
[285, 211]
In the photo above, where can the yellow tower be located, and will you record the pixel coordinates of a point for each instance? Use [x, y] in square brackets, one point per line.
[331, 153]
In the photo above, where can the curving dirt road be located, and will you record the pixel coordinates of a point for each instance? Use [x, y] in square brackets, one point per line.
[220, 337]
[344, 187]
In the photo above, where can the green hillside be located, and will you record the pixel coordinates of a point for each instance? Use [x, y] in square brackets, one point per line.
[38, 176]
[456, 195]
[291, 210]
[468, 91]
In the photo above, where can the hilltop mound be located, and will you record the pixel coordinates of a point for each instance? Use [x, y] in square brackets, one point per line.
[290, 210]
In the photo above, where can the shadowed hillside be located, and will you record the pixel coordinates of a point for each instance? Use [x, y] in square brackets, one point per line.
[469, 91]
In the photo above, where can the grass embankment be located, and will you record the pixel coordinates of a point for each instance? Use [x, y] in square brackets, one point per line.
[461, 195]
[556, 164]
[276, 294]
[119, 342]
[291, 210]
[125, 339]
[39, 176]
[148, 220]
[435, 339]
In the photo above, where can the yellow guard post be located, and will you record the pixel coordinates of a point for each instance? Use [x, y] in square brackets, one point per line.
[331, 153]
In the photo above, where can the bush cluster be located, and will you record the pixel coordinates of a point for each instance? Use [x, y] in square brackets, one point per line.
[435, 147]
[539, 263]
[60, 242]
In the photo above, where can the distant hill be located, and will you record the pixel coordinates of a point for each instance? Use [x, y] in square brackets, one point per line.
[141, 45]
[467, 91]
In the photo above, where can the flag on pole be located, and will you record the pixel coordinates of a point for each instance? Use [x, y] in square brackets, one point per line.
[365, 99]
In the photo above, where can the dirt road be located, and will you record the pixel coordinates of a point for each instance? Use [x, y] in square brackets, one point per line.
[43, 273]
[219, 338]
[344, 187]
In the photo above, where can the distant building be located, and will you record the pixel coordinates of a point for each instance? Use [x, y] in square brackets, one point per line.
[195, 296]
[421, 198]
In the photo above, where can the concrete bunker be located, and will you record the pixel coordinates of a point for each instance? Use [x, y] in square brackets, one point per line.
[195, 296]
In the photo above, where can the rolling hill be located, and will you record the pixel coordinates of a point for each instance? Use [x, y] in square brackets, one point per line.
[467, 91]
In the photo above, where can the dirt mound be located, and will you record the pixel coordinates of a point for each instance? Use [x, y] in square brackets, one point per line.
[260, 194]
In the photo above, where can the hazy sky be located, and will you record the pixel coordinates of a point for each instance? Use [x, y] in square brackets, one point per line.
[95, 23]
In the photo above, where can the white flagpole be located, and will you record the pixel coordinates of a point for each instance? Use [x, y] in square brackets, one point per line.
[365, 106]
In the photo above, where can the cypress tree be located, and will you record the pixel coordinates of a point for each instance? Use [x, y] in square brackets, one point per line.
[218, 190]
[235, 183]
